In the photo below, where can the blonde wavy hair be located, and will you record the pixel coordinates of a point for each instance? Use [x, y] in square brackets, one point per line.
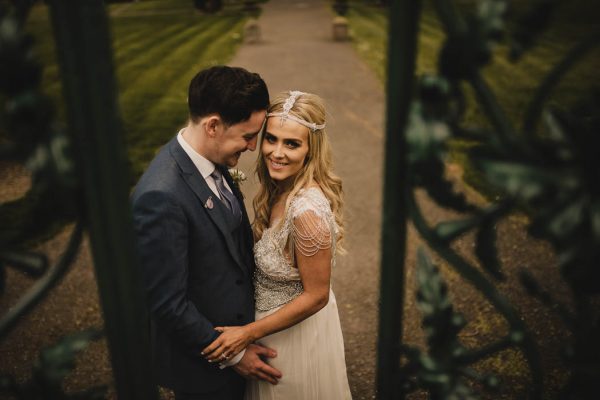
[317, 169]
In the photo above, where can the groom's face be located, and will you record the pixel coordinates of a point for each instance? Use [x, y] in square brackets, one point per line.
[233, 140]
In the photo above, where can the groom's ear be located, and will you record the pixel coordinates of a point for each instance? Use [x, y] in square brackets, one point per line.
[211, 125]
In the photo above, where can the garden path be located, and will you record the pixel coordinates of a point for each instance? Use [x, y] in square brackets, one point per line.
[297, 52]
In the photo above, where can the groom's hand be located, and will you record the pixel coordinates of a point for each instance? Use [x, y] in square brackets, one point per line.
[252, 366]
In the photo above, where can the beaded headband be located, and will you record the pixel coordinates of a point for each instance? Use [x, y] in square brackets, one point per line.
[287, 106]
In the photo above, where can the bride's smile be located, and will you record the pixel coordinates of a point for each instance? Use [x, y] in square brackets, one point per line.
[277, 165]
[284, 149]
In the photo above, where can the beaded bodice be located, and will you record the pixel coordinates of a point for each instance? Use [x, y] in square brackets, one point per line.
[307, 227]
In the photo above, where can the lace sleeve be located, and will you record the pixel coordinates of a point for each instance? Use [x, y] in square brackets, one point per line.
[311, 233]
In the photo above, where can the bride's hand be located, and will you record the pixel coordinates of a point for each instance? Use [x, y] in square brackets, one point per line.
[232, 340]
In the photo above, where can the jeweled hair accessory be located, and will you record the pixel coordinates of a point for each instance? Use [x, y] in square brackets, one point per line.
[285, 115]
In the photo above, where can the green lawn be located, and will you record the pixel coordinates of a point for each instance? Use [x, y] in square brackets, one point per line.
[158, 46]
[514, 84]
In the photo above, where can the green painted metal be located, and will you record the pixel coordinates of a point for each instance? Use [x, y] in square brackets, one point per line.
[552, 173]
[403, 27]
[85, 54]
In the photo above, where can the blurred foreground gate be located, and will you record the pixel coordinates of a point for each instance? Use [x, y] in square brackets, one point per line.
[80, 174]
[85, 53]
[551, 170]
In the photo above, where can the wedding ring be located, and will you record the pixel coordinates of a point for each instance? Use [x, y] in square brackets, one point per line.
[224, 356]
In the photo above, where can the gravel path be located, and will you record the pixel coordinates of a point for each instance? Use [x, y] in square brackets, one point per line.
[297, 52]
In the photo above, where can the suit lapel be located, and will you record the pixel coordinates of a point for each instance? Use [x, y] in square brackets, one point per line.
[208, 200]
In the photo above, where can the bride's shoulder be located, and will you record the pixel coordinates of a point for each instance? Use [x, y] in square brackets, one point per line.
[310, 198]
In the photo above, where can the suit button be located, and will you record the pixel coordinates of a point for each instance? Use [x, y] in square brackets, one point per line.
[240, 316]
[239, 282]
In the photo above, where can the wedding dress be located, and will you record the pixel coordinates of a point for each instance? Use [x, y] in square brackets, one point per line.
[310, 354]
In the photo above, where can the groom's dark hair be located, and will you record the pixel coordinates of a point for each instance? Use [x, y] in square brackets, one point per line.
[231, 92]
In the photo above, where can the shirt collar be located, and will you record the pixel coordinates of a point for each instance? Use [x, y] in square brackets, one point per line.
[205, 167]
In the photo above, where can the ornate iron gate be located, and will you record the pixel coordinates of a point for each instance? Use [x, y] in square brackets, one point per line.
[554, 175]
[79, 174]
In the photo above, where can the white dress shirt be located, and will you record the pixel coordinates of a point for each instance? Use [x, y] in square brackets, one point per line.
[206, 168]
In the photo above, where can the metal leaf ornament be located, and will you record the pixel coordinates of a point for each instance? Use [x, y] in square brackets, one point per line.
[427, 135]
[553, 175]
[56, 361]
[443, 370]
[470, 42]
[32, 136]
[485, 221]
[54, 364]
[559, 185]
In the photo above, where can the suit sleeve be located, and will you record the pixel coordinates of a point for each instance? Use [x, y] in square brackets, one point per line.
[162, 239]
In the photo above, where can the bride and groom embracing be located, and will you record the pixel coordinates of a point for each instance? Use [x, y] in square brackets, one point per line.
[241, 312]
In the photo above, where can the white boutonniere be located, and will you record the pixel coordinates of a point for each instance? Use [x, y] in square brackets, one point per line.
[238, 177]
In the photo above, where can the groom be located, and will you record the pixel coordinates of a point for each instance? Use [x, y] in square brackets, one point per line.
[195, 242]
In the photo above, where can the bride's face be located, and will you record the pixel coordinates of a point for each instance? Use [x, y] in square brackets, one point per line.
[284, 149]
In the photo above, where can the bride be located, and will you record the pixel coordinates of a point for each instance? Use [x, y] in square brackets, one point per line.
[299, 228]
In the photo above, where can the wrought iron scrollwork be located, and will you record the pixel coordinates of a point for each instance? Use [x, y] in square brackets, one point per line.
[444, 369]
[552, 173]
[53, 365]
[31, 136]
[65, 187]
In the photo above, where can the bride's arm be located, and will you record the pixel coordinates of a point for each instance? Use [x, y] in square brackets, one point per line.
[312, 250]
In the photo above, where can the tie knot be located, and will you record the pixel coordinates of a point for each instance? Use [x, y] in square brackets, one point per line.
[217, 175]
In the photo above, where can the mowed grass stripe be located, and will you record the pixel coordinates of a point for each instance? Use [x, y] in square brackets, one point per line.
[133, 59]
[159, 6]
[371, 14]
[177, 91]
[370, 39]
[149, 46]
[171, 68]
[370, 30]
[158, 78]
[167, 111]
[51, 71]
[156, 50]
[376, 27]
[125, 30]
[159, 72]
[145, 35]
[136, 33]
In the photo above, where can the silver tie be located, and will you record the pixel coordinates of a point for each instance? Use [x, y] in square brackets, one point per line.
[226, 196]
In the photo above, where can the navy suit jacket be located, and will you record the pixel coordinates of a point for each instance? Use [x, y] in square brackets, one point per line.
[197, 268]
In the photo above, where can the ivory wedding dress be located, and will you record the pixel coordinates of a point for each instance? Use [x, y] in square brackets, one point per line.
[310, 354]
